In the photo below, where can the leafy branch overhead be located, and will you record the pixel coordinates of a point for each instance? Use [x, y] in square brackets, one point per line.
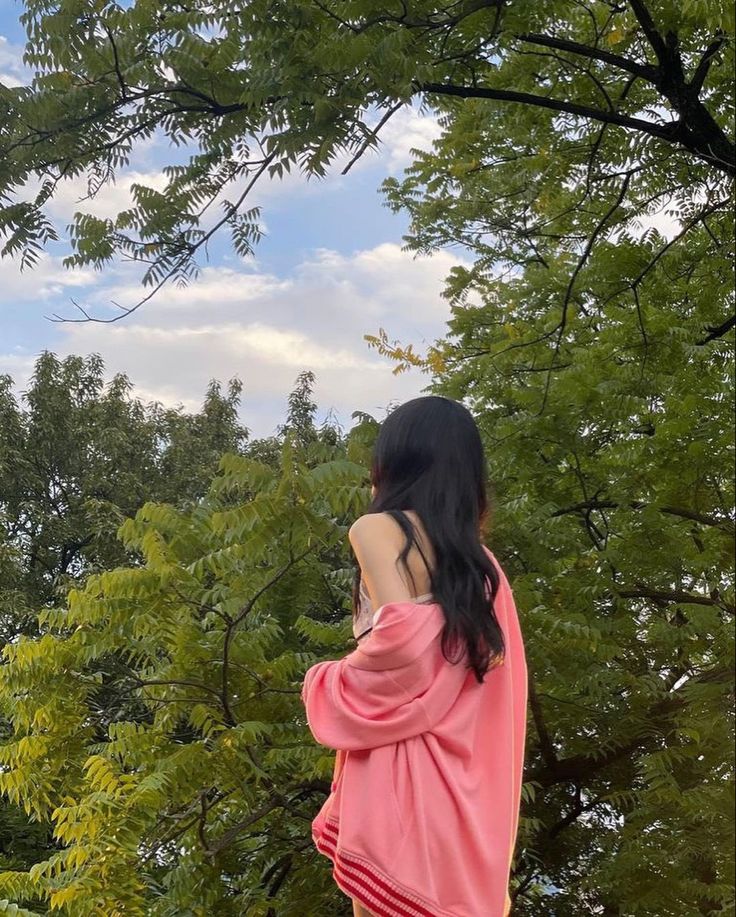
[255, 91]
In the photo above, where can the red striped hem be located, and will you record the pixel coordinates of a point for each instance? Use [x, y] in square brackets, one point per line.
[380, 902]
[353, 884]
[360, 880]
[409, 906]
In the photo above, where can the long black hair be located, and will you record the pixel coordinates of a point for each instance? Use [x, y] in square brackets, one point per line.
[428, 457]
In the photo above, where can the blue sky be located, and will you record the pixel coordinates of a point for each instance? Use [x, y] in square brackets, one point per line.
[329, 270]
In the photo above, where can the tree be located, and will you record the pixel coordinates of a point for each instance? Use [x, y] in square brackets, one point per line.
[598, 353]
[74, 462]
[81, 458]
[300, 416]
[196, 799]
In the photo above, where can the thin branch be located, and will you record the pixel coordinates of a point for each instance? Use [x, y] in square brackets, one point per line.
[633, 284]
[573, 815]
[116, 60]
[144, 683]
[372, 136]
[229, 213]
[227, 838]
[275, 801]
[578, 267]
[589, 246]
[713, 208]
[230, 630]
[576, 68]
[680, 511]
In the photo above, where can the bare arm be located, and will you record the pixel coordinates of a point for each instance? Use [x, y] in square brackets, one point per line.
[377, 541]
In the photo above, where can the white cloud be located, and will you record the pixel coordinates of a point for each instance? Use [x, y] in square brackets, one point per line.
[241, 320]
[266, 329]
[271, 346]
[407, 130]
[382, 278]
[45, 281]
[13, 72]
[216, 288]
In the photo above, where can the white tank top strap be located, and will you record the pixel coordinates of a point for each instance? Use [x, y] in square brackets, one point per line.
[413, 598]
[367, 618]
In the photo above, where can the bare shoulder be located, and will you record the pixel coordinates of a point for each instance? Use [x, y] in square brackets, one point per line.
[372, 527]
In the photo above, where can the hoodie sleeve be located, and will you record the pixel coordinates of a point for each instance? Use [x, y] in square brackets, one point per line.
[349, 708]
[390, 688]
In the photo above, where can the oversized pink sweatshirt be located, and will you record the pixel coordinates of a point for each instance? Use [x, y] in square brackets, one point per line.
[422, 816]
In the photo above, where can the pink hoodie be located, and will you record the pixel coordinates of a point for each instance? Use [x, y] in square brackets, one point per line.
[423, 812]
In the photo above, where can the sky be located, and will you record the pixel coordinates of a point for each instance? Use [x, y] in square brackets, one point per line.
[330, 269]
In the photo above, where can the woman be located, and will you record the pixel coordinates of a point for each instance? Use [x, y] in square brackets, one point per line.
[428, 712]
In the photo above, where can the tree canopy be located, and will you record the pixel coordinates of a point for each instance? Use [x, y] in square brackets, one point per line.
[82, 455]
[255, 90]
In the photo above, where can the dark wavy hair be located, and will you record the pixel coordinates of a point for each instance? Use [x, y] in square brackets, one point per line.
[428, 457]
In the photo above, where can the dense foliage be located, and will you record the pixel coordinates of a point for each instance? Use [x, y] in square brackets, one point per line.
[157, 722]
[75, 461]
[79, 457]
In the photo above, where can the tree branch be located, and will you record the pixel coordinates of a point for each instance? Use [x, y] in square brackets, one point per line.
[701, 71]
[719, 331]
[672, 131]
[372, 136]
[645, 71]
[650, 30]
[546, 745]
[706, 211]
[182, 260]
[669, 596]
[230, 631]
[638, 504]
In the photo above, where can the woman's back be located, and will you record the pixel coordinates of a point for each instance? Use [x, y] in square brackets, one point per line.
[391, 532]
[369, 608]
